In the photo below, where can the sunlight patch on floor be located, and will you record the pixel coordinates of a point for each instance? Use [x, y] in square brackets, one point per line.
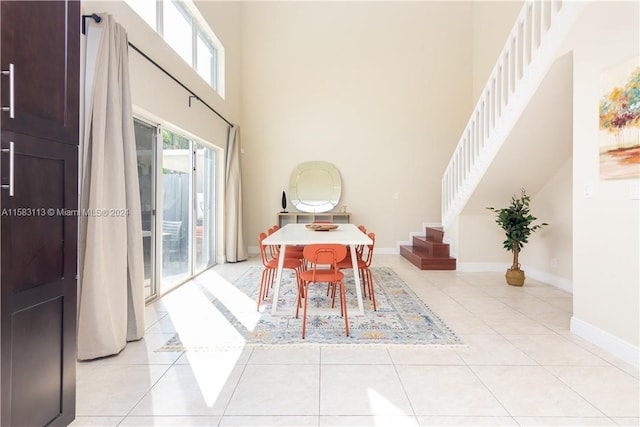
[240, 305]
[199, 324]
[381, 405]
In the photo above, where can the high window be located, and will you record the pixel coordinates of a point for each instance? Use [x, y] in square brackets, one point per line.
[184, 29]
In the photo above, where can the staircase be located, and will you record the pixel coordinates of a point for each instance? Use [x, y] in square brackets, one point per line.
[530, 50]
[429, 252]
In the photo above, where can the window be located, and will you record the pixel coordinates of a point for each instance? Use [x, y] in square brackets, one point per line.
[176, 30]
[146, 9]
[206, 58]
[184, 29]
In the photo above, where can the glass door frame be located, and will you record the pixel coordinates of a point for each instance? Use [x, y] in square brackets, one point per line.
[209, 213]
[153, 241]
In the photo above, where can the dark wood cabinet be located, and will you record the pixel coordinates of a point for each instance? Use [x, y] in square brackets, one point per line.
[42, 41]
[38, 207]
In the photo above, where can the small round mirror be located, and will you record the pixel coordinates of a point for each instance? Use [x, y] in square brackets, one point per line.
[315, 187]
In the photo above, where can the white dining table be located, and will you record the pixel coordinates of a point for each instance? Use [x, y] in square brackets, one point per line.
[299, 234]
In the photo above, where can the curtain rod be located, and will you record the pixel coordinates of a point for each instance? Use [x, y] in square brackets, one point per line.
[97, 19]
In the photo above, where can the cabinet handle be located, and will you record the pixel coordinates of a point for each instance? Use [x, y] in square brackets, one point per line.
[11, 152]
[11, 73]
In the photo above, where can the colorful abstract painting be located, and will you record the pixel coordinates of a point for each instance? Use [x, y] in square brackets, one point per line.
[620, 121]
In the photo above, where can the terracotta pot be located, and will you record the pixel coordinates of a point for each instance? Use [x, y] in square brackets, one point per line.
[515, 277]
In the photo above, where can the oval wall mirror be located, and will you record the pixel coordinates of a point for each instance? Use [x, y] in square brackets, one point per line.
[315, 187]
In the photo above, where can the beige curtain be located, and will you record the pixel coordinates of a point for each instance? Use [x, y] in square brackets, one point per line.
[235, 247]
[111, 299]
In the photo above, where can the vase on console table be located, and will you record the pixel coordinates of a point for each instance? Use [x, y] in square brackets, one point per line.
[284, 202]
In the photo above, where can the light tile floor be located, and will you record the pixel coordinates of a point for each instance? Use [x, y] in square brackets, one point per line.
[520, 366]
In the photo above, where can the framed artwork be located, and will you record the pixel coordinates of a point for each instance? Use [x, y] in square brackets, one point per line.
[619, 135]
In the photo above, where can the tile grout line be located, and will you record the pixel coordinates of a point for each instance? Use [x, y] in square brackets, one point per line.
[235, 388]
[404, 390]
[152, 386]
[491, 392]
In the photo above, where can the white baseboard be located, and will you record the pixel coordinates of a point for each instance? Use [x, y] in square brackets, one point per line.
[533, 273]
[606, 341]
[545, 277]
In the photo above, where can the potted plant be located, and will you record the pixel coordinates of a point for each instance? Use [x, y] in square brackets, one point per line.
[517, 223]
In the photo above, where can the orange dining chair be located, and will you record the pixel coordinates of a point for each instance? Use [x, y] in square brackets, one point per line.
[364, 270]
[290, 251]
[271, 267]
[317, 255]
[359, 249]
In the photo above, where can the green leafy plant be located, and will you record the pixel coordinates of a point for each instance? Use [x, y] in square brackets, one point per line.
[517, 223]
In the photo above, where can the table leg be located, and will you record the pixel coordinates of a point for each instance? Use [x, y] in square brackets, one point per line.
[276, 287]
[356, 276]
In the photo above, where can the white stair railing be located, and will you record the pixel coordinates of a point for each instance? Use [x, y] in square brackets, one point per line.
[530, 50]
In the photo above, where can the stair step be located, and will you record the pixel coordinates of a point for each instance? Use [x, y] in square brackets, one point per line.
[433, 248]
[421, 259]
[435, 234]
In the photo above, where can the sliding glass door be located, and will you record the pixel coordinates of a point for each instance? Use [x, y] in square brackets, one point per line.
[145, 142]
[176, 208]
[177, 191]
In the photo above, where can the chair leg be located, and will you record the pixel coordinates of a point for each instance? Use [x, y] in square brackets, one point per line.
[304, 314]
[363, 281]
[371, 291]
[263, 285]
[333, 294]
[300, 287]
[268, 282]
[343, 306]
[300, 297]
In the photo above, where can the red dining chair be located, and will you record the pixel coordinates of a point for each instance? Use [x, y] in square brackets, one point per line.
[359, 248]
[271, 267]
[317, 255]
[364, 270]
[290, 251]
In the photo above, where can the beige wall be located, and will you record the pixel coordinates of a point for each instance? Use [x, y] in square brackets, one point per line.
[492, 23]
[549, 254]
[380, 89]
[550, 249]
[481, 243]
[606, 229]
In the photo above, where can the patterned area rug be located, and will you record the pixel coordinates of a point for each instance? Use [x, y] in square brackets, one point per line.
[401, 317]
